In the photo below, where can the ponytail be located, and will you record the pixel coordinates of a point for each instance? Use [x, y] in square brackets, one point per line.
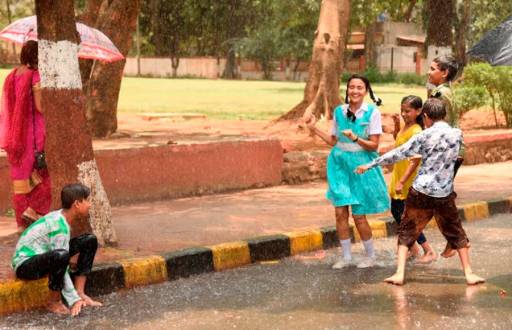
[377, 100]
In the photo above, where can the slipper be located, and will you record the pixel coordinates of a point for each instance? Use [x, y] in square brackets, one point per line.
[29, 219]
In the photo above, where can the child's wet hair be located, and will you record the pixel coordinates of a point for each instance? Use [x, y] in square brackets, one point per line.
[435, 109]
[447, 63]
[72, 193]
[415, 102]
[366, 82]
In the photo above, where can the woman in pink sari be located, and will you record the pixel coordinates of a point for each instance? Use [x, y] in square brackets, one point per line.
[22, 134]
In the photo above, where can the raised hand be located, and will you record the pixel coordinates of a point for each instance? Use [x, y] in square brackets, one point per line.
[361, 169]
[348, 133]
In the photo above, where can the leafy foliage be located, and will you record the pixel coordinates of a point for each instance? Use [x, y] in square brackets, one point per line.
[467, 97]
[497, 81]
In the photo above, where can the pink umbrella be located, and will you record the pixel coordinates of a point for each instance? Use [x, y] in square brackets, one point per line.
[94, 44]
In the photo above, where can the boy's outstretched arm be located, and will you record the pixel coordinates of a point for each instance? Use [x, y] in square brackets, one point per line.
[406, 150]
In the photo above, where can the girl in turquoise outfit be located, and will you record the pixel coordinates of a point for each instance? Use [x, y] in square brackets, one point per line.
[355, 139]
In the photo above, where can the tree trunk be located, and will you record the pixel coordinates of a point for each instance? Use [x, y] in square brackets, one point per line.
[321, 94]
[461, 31]
[118, 21]
[175, 63]
[440, 22]
[369, 46]
[295, 70]
[89, 17]
[408, 12]
[68, 143]
[230, 69]
[9, 20]
[91, 12]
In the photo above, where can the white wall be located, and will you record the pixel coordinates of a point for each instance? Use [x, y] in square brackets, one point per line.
[161, 67]
[403, 58]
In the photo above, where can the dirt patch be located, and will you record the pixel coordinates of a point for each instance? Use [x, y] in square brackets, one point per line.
[142, 130]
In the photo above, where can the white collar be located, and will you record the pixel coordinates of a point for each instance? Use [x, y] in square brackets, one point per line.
[440, 124]
[364, 107]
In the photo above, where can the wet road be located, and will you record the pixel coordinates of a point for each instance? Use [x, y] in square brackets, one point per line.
[303, 292]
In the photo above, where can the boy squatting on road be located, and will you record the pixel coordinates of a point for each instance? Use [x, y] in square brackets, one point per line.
[45, 248]
[432, 191]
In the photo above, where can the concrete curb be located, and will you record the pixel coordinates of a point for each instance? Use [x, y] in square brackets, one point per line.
[18, 295]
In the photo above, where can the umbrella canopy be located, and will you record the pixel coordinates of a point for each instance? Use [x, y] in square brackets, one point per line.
[496, 46]
[94, 44]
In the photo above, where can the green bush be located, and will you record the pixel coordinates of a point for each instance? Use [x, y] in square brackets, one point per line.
[467, 97]
[388, 77]
[373, 75]
[411, 79]
[498, 83]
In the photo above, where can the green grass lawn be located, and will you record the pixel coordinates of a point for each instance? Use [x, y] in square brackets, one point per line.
[225, 99]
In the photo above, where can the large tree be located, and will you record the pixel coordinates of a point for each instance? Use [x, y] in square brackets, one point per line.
[117, 19]
[68, 144]
[321, 94]
[462, 21]
[170, 28]
[439, 20]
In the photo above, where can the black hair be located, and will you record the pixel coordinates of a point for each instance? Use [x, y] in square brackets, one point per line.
[435, 109]
[28, 55]
[447, 62]
[374, 97]
[415, 102]
[72, 193]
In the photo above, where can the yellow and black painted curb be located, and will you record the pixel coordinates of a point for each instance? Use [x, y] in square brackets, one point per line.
[18, 295]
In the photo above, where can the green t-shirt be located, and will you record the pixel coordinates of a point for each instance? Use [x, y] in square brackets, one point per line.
[49, 233]
[444, 93]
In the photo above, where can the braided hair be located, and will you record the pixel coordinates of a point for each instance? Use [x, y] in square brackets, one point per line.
[377, 100]
[415, 102]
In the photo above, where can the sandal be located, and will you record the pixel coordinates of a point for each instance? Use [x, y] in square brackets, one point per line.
[30, 216]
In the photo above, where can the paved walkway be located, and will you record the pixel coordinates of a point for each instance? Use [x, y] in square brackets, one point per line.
[154, 227]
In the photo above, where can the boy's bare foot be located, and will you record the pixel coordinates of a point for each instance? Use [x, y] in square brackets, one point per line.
[396, 279]
[472, 279]
[88, 301]
[427, 258]
[413, 252]
[57, 307]
[449, 252]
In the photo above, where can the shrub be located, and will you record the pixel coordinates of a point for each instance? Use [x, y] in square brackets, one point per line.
[498, 83]
[389, 77]
[411, 79]
[467, 97]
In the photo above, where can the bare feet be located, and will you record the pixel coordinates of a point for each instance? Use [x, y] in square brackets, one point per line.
[413, 252]
[57, 307]
[449, 252]
[427, 258]
[88, 301]
[472, 279]
[77, 307]
[396, 279]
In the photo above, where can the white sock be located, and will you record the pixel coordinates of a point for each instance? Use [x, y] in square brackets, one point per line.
[368, 246]
[346, 246]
